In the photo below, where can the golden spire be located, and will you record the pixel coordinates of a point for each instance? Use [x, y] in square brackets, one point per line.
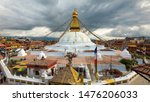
[75, 26]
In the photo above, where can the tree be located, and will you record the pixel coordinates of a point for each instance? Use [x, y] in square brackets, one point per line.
[128, 63]
[70, 56]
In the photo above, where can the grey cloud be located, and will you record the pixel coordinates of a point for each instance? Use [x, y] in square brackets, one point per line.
[27, 14]
[132, 31]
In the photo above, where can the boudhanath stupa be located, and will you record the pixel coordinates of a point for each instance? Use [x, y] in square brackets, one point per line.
[74, 40]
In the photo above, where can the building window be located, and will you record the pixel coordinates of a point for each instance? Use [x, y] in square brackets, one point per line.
[23, 82]
[119, 82]
[36, 83]
[125, 81]
[17, 80]
[30, 83]
[37, 73]
[11, 80]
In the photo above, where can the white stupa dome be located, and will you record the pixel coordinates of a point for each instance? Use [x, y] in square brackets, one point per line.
[22, 53]
[75, 39]
[125, 54]
[41, 55]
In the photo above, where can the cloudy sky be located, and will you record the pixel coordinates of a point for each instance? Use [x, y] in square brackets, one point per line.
[110, 17]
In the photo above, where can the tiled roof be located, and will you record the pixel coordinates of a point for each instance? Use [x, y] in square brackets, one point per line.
[144, 69]
[42, 64]
[2, 45]
[66, 75]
